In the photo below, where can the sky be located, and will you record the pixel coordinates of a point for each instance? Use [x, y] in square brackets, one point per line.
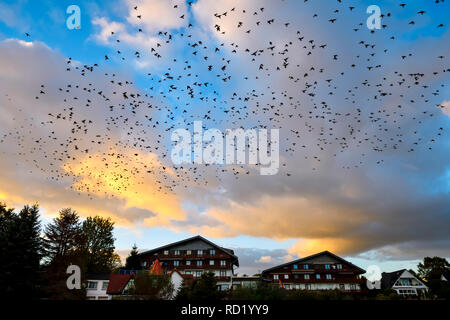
[87, 115]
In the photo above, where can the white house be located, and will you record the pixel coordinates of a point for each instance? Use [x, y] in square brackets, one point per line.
[403, 282]
[177, 279]
[96, 286]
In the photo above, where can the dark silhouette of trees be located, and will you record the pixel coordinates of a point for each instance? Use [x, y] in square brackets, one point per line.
[133, 261]
[20, 252]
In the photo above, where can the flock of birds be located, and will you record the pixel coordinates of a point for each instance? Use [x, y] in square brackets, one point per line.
[327, 103]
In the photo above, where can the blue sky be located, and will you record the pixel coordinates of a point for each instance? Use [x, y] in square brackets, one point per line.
[387, 208]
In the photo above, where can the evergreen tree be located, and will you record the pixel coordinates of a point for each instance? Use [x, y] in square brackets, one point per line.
[133, 261]
[62, 247]
[20, 252]
[63, 237]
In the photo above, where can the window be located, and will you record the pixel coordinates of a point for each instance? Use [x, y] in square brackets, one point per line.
[188, 252]
[328, 276]
[177, 252]
[199, 252]
[286, 276]
[198, 274]
[211, 262]
[307, 286]
[166, 252]
[306, 276]
[223, 273]
[353, 287]
[187, 272]
[327, 267]
[212, 252]
[92, 285]
[295, 266]
[144, 264]
[199, 263]
[275, 277]
[223, 263]
[339, 266]
[188, 262]
[306, 267]
[297, 286]
[317, 276]
[105, 285]
[176, 263]
[295, 276]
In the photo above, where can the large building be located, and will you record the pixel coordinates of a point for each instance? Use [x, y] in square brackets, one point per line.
[194, 256]
[321, 271]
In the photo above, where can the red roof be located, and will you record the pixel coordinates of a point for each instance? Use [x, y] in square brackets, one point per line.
[117, 283]
[156, 268]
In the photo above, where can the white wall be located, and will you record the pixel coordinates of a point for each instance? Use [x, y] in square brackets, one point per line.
[98, 293]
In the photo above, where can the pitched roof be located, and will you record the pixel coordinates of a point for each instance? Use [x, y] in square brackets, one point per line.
[97, 276]
[117, 283]
[198, 237]
[156, 268]
[388, 279]
[326, 252]
[446, 276]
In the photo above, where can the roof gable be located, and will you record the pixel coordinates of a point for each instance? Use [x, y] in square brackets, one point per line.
[195, 243]
[320, 258]
[118, 282]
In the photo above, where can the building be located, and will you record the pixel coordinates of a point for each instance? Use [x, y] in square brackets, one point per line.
[321, 271]
[404, 282]
[245, 282]
[96, 286]
[194, 256]
[120, 284]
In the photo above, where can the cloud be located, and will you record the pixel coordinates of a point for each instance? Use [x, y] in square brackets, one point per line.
[445, 108]
[57, 175]
[157, 15]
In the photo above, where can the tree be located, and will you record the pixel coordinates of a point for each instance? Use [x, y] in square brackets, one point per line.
[20, 252]
[99, 244]
[433, 268]
[63, 237]
[203, 289]
[133, 262]
[152, 287]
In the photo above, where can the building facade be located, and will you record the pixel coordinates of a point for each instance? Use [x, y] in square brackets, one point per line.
[193, 257]
[96, 286]
[321, 271]
[403, 282]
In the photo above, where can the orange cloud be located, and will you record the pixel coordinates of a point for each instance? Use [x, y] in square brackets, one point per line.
[143, 185]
